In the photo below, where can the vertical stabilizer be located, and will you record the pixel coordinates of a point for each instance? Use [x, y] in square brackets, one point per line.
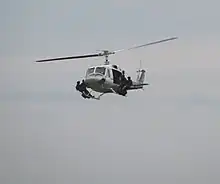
[141, 76]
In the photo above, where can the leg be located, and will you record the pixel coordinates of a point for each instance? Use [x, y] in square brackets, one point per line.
[84, 95]
[123, 93]
[121, 90]
[88, 93]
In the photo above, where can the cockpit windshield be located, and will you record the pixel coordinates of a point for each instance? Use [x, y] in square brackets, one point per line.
[89, 71]
[100, 70]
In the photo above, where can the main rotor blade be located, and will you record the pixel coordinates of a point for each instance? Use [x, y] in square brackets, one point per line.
[70, 57]
[147, 44]
[105, 52]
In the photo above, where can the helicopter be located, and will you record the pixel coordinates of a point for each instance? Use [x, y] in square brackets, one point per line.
[105, 78]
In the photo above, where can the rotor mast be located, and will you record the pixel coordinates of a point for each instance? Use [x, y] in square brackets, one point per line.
[106, 53]
[106, 60]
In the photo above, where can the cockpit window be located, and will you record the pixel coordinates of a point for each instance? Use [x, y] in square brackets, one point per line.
[90, 70]
[100, 70]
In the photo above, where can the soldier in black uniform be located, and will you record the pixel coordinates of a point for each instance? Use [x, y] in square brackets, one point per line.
[128, 84]
[123, 82]
[78, 87]
[82, 88]
[122, 78]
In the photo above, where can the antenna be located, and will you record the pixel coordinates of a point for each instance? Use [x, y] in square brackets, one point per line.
[140, 66]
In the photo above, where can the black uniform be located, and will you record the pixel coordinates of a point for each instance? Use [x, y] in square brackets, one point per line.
[78, 86]
[83, 90]
[128, 83]
[125, 86]
[123, 80]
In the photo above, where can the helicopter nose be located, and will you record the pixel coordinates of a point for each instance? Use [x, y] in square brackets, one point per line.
[91, 80]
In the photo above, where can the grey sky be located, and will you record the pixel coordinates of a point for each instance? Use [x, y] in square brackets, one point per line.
[168, 133]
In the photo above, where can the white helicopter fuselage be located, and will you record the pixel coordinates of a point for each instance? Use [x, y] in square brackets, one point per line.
[94, 82]
[106, 78]
[103, 78]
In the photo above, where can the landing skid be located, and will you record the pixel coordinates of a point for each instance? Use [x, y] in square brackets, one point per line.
[113, 91]
[95, 98]
[98, 97]
[92, 97]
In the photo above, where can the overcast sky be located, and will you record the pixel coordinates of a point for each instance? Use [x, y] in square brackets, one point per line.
[166, 134]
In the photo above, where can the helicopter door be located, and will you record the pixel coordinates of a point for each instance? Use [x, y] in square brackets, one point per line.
[116, 76]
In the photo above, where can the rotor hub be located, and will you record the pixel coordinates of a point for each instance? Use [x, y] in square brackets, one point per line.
[106, 53]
